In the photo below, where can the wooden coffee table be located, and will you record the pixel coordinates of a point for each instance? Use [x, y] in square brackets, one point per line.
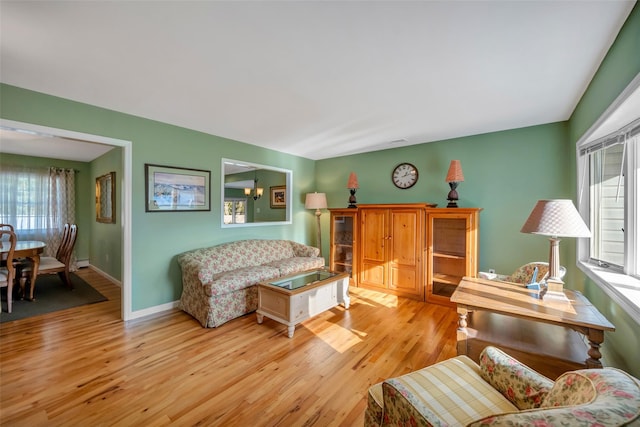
[545, 334]
[293, 299]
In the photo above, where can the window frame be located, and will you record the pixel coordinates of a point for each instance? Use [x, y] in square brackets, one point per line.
[233, 200]
[622, 285]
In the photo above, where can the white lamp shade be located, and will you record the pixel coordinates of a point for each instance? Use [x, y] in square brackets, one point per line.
[558, 218]
[315, 201]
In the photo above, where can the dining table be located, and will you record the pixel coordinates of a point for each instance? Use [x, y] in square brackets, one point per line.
[30, 249]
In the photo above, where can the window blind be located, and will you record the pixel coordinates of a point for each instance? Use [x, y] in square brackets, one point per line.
[620, 136]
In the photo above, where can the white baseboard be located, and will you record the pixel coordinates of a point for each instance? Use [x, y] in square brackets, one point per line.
[139, 313]
[103, 274]
[153, 310]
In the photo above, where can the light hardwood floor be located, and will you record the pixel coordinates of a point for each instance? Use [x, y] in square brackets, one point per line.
[85, 367]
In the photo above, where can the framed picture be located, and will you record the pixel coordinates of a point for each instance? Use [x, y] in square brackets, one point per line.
[106, 198]
[278, 197]
[171, 189]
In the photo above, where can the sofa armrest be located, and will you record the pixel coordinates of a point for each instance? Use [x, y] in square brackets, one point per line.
[523, 386]
[304, 250]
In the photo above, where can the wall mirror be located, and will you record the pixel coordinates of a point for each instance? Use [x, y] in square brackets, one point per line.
[254, 194]
[106, 198]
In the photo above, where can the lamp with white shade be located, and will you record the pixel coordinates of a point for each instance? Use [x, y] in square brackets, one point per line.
[317, 201]
[555, 218]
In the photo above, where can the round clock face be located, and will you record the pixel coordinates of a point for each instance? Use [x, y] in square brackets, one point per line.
[404, 176]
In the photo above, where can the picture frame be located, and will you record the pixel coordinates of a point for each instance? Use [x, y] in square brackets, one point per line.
[174, 189]
[106, 198]
[278, 197]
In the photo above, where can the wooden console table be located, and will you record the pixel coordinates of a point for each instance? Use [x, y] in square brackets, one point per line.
[546, 335]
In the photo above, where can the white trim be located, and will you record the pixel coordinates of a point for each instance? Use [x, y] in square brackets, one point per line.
[105, 275]
[289, 185]
[125, 194]
[154, 310]
[623, 289]
[626, 93]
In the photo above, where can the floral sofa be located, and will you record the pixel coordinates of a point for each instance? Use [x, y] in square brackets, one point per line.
[219, 282]
[503, 392]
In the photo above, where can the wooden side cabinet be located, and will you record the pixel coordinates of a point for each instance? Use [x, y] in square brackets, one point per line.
[392, 249]
[344, 242]
[452, 254]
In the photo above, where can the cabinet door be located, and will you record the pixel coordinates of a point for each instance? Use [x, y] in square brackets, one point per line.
[405, 254]
[375, 241]
[343, 242]
[453, 237]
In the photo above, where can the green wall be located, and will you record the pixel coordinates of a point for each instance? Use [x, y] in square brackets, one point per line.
[85, 206]
[505, 174]
[106, 239]
[157, 237]
[619, 68]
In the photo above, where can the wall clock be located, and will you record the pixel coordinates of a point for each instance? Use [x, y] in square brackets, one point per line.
[404, 176]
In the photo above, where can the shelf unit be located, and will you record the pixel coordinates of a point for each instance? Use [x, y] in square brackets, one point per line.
[343, 243]
[452, 241]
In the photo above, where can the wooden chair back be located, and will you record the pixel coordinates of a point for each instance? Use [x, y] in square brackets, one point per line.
[8, 273]
[69, 236]
[7, 227]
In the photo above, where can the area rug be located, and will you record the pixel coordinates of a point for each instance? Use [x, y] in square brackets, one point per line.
[51, 295]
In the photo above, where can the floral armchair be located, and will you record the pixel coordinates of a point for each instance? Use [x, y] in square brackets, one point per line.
[524, 273]
[501, 391]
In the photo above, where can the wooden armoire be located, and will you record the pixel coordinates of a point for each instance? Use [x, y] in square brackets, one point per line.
[390, 247]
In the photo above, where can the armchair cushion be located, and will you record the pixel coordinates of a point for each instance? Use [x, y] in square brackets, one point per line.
[451, 392]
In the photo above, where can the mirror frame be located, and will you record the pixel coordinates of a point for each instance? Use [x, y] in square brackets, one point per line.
[288, 209]
[106, 206]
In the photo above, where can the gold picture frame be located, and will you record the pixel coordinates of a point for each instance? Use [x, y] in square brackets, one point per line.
[106, 198]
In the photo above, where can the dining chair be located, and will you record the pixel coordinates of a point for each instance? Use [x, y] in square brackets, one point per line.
[7, 271]
[61, 263]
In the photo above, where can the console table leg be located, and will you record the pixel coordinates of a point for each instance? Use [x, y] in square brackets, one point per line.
[290, 331]
[462, 333]
[596, 338]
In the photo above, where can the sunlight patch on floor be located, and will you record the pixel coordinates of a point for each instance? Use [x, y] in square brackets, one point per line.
[337, 337]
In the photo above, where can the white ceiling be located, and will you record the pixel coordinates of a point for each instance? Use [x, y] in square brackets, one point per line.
[316, 79]
[40, 145]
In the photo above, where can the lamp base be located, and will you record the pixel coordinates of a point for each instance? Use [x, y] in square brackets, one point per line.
[452, 197]
[554, 291]
[352, 198]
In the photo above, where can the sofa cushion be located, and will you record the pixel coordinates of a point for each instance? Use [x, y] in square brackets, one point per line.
[450, 392]
[296, 264]
[523, 386]
[241, 278]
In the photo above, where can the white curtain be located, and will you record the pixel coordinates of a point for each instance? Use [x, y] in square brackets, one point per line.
[38, 202]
